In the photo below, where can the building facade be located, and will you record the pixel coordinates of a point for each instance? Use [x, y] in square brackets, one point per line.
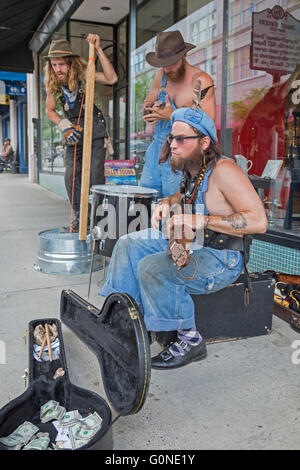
[13, 115]
[250, 48]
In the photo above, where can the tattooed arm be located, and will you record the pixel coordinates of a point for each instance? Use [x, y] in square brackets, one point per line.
[234, 224]
[233, 186]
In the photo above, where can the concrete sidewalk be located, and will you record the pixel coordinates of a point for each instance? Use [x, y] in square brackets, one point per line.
[245, 395]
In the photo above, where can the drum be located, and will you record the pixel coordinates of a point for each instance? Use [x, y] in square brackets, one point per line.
[118, 210]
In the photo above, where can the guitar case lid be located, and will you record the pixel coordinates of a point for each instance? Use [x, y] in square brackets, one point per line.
[118, 337]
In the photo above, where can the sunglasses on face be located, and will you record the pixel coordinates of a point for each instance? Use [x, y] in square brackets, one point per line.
[180, 138]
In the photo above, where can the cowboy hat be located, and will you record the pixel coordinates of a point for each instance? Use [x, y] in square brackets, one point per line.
[169, 48]
[60, 48]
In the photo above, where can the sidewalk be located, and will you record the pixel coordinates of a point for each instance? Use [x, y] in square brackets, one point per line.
[245, 395]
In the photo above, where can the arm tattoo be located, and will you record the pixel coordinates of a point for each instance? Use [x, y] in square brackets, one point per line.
[236, 221]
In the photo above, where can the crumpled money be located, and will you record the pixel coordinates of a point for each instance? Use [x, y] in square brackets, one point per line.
[51, 410]
[41, 443]
[73, 431]
[21, 436]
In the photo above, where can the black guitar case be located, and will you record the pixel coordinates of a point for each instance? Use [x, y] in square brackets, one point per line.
[118, 337]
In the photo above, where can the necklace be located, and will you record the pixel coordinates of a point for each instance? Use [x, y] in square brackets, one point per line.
[189, 197]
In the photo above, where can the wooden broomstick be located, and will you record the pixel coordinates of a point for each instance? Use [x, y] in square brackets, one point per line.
[87, 143]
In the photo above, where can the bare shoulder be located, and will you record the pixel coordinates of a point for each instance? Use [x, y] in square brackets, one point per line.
[228, 174]
[158, 76]
[206, 79]
[159, 73]
[227, 167]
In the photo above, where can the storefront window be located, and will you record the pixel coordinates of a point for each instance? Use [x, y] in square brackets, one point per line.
[198, 25]
[52, 149]
[262, 128]
[120, 110]
[78, 30]
[254, 71]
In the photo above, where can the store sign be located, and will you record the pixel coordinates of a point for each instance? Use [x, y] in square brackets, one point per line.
[4, 99]
[275, 45]
[16, 90]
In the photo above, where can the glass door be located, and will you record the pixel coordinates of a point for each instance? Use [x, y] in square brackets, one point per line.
[120, 92]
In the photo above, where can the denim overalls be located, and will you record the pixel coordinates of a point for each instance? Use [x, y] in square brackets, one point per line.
[141, 267]
[160, 177]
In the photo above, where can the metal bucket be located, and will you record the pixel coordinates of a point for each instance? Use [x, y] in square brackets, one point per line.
[64, 253]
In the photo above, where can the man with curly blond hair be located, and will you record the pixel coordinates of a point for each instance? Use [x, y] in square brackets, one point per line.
[64, 81]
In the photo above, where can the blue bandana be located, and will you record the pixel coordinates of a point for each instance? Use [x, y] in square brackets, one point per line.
[70, 96]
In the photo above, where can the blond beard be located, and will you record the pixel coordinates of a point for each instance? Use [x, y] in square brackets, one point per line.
[63, 81]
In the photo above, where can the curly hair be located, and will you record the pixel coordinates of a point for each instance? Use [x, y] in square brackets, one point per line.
[211, 155]
[77, 67]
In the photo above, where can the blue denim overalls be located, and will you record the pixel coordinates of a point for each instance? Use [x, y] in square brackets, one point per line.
[141, 267]
[160, 177]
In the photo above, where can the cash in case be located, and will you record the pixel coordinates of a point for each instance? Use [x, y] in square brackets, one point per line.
[118, 337]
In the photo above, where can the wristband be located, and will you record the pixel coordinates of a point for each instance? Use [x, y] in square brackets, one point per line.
[206, 221]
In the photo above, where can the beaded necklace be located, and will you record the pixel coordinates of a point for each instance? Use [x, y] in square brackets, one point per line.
[186, 196]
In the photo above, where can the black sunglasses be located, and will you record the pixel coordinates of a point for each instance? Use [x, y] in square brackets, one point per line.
[180, 138]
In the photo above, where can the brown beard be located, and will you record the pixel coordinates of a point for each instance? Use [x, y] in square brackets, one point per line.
[177, 76]
[194, 161]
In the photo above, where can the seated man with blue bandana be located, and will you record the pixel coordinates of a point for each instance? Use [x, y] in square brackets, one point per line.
[161, 270]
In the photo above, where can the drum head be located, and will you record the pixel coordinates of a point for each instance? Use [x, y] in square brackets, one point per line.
[124, 190]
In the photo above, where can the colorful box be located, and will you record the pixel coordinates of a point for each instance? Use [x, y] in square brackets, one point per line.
[120, 172]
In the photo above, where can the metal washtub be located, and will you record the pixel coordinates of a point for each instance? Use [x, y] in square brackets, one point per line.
[64, 253]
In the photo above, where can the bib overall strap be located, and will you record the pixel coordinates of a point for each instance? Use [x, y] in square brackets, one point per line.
[163, 83]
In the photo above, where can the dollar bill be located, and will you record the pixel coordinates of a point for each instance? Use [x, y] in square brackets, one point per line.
[84, 433]
[76, 442]
[40, 443]
[58, 414]
[70, 417]
[42, 434]
[21, 435]
[50, 405]
[91, 420]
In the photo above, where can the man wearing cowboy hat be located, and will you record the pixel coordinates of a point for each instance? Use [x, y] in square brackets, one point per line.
[64, 81]
[174, 86]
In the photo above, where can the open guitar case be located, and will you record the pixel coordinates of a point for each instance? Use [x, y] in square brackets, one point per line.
[118, 337]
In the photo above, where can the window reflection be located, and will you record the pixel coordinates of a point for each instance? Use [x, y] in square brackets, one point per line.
[198, 26]
[259, 124]
[259, 103]
[52, 151]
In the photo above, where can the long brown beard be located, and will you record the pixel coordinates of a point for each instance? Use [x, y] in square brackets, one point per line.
[177, 76]
[194, 161]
